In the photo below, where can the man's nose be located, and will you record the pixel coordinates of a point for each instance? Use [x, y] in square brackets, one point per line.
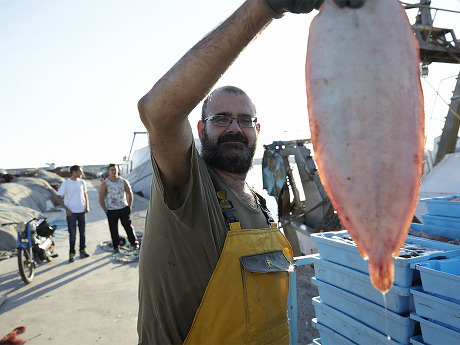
[234, 126]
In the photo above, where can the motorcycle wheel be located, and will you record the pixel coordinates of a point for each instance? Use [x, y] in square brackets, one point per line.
[26, 264]
[50, 253]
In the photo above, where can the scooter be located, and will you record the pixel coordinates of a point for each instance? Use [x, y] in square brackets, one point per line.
[35, 245]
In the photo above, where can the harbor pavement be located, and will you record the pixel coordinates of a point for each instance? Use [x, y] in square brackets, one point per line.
[90, 301]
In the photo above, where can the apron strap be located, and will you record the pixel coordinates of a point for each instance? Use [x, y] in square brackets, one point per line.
[263, 206]
[228, 210]
[226, 206]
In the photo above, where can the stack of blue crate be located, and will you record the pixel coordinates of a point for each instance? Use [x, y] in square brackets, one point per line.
[443, 218]
[437, 301]
[349, 309]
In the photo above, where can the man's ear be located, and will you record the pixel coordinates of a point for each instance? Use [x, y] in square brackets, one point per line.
[201, 128]
[258, 128]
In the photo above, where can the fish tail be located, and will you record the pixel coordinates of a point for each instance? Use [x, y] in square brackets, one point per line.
[381, 272]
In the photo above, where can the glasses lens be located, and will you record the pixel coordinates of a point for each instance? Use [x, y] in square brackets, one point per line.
[221, 120]
[244, 121]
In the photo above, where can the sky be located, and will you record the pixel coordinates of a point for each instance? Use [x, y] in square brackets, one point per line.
[72, 72]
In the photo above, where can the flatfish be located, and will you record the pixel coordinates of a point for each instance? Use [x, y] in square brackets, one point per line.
[365, 107]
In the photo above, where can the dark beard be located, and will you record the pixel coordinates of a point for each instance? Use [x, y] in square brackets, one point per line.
[222, 155]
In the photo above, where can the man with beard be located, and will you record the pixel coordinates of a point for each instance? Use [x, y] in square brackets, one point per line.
[232, 152]
[213, 266]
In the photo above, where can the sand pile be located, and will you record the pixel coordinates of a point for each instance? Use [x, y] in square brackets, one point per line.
[22, 199]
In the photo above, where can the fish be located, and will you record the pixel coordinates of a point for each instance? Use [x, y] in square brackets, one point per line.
[366, 118]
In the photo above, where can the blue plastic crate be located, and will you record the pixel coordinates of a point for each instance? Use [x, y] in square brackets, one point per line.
[317, 341]
[399, 328]
[347, 326]
[437, 230]
[448, 222]
[436, 308]
[417, 340]
[441, 277]
[443, 206]
[331, 247]
[434, 333]
[398, 299]
[329, 336]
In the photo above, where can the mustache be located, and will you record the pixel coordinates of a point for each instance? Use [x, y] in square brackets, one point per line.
[233, 138]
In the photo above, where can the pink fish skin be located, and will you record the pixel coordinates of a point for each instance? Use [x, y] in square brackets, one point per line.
[365, 106]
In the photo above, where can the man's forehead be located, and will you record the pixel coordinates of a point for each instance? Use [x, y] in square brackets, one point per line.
[227, 102]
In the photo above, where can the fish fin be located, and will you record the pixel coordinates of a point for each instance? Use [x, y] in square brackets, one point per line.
[363, 253]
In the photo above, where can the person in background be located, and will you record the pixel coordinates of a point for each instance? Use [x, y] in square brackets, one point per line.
[72, 195]
[214, 267]
[116, 199]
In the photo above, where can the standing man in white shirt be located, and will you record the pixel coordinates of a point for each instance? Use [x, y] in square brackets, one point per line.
[73, 197]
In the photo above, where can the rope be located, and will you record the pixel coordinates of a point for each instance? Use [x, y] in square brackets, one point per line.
[126, 254]
[457, 115]
[329, 223]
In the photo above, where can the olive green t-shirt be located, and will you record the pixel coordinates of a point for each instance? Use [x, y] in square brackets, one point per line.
[180, 249]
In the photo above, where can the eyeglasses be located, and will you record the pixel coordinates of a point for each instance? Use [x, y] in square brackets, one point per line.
[244, 121]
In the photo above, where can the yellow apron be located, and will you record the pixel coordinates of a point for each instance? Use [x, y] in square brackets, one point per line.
[245, 301]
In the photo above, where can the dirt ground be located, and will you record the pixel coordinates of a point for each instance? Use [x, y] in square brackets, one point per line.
[305, 310]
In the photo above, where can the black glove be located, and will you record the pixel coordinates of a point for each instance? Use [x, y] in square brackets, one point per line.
[276, 8]
[349, 3]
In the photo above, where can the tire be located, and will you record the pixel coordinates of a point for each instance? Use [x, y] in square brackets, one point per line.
[26, 264]
[50, 253]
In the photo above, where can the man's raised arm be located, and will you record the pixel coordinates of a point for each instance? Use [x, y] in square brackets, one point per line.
[165, 108]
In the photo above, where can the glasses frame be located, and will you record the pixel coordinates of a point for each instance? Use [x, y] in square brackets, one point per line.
[212, 117]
